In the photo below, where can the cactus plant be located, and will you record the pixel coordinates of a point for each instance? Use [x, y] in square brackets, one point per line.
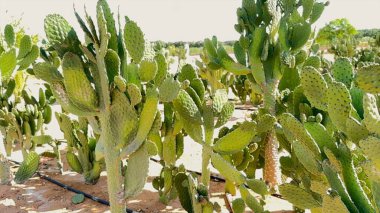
[22, 116]
[272, 35]
[121, 116]
[341, 125]
[80, 147]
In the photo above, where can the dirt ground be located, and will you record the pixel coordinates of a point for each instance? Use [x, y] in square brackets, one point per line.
[40, 195]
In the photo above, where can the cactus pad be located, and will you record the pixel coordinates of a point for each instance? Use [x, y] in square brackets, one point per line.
[147, 70]
[225, 114]
[343, 71]
[134, 41]
[78, 87]
[28, 167]
[371, 114]
[74, 162]
[8, 63]
[169, 89]
[367, 78]
[339, 104]
[137, 171]
[315, 88]
[299, 197]
[236, 140]
[371, 148]
[186, 108]
[226, 169]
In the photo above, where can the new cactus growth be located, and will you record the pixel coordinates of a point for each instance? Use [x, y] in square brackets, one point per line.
[121, 111]
[80, 147]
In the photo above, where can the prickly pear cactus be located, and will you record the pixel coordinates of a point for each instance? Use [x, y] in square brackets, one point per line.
[116, 94]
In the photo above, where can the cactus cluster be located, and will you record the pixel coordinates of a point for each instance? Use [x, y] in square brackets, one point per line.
[110, 80]
[336, 110]
[81, 145]
[22, 115]
[269, 52]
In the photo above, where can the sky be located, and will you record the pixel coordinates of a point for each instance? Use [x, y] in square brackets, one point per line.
[177, 20]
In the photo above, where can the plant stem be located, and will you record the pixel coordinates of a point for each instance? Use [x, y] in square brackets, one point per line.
[272, 173]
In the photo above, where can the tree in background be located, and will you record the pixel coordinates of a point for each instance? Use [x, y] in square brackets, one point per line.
[339, 36]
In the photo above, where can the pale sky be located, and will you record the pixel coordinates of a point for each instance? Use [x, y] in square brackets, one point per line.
[177, 20]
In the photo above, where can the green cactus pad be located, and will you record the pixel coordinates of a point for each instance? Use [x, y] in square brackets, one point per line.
[298, 132]
[137, 172]
[258, 186]
[74, 162]
[78, 87]
[307, 6]
[219, 99]
[125, 118]
[9, 35]
[199, 87]
[235, 68]
[299, 197]
[162, 68]
[236, 140]
[310, 163]
[321, 136]
[147, 118]
[371, 114]
[339, 104]
[332, 204]
[240, 53]
[134, 94]
[28, 167]
[77, 198]
[120, 83]
[265, 123]
[47, 72]
[187, 73]
[343, 71]
[134, 41]
[169, 89]
[317, 11]
[226, 169]
[225, 114]
[250, 200]
[314, 87]
[25, 46]
[8, 63]
[371, 148]
[56, 28]
[112, 62]
[147, 70]
[186, 108]
[319, 187]
[110, 21]
[300, 35]
[238, 205]
[313, 61]
[29, 58]
[367, 78]
[355, 130]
